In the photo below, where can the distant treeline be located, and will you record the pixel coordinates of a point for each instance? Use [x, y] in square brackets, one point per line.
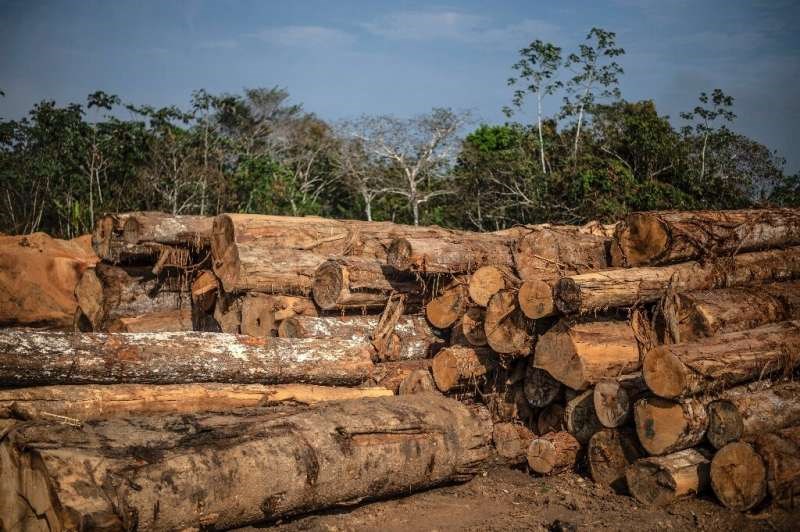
[598, 158]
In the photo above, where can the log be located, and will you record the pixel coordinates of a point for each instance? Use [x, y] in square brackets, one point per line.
[272, 270]
[547, 252]
[228, 314]
[258, 317]
[540, 387]
[553, 453]
[609, 454]
[164, 321]
[88, 402]
[204, 290]
[711, 312]
[459, 366]
[738, 476]
[110, 246]
[747, 415]
[626, 287]
[443, 251]
[447, 307]
[665, 426]
[488, 280]
[178, 358]
[580, 418]
[360, 283]
[662, 480]
[580, 354]
[507, 403]
[418, 381]
[507, 329]
[613, 398]
[780, 451]
[470, 329]
[670, 236]
[164, 228]
[223, 472]
[392, 374]
[551, 419]
[716, 363]
[536, 298]
[511, 442]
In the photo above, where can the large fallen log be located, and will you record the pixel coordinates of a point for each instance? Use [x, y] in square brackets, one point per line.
[665, 426]
[662, 480]
[672, 236]
[179, 357]
[355, 282]
[440, 250]
[713, 364]
[164, 228]
[747, 415]
[109, 244]
[626, 287]
[738, 476]
[227, 471]
[90, 401]
[780, 451]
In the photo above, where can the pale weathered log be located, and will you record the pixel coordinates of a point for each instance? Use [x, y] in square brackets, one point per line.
[451, 252]
[179, 357]
[580, 354]
[665, 426]
[164, 228]
[662, 480]
[553, 453]
[507, 329]
[609, 454]
[449, 305]
[780, 451]
[738, 476]
[713, 364]
[747, 415]
[626, 287]
[222, 472]
[511, 442]
[488, 280]
[551, 419]
[671, 236]
[550, 251]
[163, 321]
[98, 401]
[356, 282]
[614, 398]
[456, 366]
[580, 418]
[540, 387]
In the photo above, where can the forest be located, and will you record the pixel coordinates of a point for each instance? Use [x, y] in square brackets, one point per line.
[599, 157]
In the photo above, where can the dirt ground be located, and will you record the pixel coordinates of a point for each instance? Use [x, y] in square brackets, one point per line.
[509, 499]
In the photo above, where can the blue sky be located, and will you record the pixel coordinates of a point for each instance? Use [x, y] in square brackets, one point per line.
[341, 59]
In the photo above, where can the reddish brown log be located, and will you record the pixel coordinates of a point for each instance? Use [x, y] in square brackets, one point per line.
[662, 480]
[356, 282]
[553, 453]
[507, 329]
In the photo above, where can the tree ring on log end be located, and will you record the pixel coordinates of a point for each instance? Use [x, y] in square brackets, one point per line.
[725, 423]
[646, 239]
[541, 456]
[329, 281]
[399, 254]
[290, 328]
[738, 476]
[536, 299]
[664, 373]
[568, 296]
[611, 403]
[131, 230]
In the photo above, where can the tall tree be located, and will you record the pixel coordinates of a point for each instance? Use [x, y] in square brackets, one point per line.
[711, 108]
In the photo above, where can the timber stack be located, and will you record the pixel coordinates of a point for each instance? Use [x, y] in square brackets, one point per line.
[658, 352]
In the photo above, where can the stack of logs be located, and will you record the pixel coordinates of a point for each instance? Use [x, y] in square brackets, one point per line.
[232, 367]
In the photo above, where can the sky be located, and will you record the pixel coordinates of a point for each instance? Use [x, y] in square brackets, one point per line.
[341, 59]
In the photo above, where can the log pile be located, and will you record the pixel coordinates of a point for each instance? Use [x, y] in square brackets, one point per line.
[275, 352]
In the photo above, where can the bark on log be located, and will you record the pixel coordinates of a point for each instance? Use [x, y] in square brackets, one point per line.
[392, 374]
[626, 287]
[165, 321]
[218, 472]
[671, 236]
[551, 419]
[356, 283]
[780, 451]
[662, 480]
[713, 364]
[511, 441]
[666, 426]
[458, 366]
[87, 402]
[540, 387]
[548, 252]
[583, 353]
[609, 454]
[553, 453]
[507, 329]
[179, 357]
[164, 228]
[738, 476]
[447, 307]
[451, 252]
[580, 417]
[488, 280]
[748, 415]
[614, 398]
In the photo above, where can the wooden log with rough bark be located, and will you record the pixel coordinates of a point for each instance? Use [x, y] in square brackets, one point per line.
[580, 418]
[609, 454]
[223, 472]
[360, 283]
[507, 329]
[536, 298]
[87, 402]
[445, 251]
[179, 357]
[614, 398]
[626, 287]
[165, 228]
[511, 442]
[662, 237]
[662, 480]
[580, 354]
[164, 321]
[747, 415]
[458, 366]
[780, 451]
[738, 476]
[550, 251]
[553, 453]
[665, 426]
[488, 280]
[110, 246]
[540, 387]
[720, 362]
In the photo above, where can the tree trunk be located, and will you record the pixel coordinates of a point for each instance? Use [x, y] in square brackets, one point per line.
[711, 312]
[110, 246]
[458, 366]
[666, 426]
[553, 453]
[179, 357]
[507, 329]
[392, 374]
[163, 228]
[451, 252]
[87, 402]
[511, 442]
[258, 316]
[223, 472]
[356, 283]
[486, 281]
[671, 236]
[272, 270]
[609, 454]
[614, 398]
[446, 308]
[164, 321]
[738, 476]
[470, 329]
[584, 353]
[541, 388]
[748, 415]
[550, 251]
[626, 287]
[536, 298]
[717, 363]
[662, 480]
[781, 454]
[580, 417]
[551, 419]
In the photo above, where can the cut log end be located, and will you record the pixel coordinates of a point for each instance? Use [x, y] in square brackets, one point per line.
[329, 280]
[457, 365]
[551, 419]
[665, 426]
[131, 230]
[725, 424]
[609, 454]
[661, 480]
[505, 326]
[443, 311]
[536, 299]
[418, 381]
[472, 326]
[486, 282]
[540, 387]
[611, 403]
[553, 453]
[642, 239]
[102, 235]
[258, 317]
[738, 476]
[664, 373]
[399, 254]
[511, 441]
[567, 296]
